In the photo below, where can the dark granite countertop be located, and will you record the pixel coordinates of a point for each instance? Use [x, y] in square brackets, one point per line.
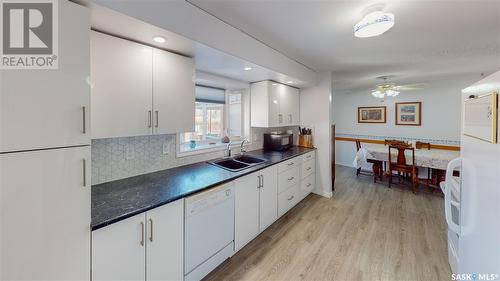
[121, 199]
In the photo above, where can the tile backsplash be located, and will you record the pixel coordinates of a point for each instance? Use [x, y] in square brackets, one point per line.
[117, 158]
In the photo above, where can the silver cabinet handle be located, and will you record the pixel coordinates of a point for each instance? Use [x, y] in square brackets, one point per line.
[151, 230]
[308, 156]
[157, 113]
[291, 198]
[150, 116]
[84, 170]
[142, 234]
[289, 179]
[84, 122]
[290, 164]
[258, 185]
[262, 177]
[308, 185]
[309, 168]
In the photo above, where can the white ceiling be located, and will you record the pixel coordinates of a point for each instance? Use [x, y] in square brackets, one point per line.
[430, 40]
[207, 59]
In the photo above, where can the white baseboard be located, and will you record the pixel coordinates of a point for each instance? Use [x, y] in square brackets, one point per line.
[327, 194]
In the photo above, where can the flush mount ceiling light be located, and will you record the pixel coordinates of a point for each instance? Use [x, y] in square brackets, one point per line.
[248, 68]
[159, 39]
[374, 24]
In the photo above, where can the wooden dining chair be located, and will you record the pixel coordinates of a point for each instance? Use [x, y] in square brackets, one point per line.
[401, 166]
[377, 169]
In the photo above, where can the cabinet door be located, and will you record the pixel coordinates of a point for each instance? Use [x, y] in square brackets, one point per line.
[294, 112]
[44, 108]
[118, 250]
[45, 215]
[121, 73]
[275, 92]
[268, 197]
[165, 242]
[289, 105]
[173, 93]
[246, 221]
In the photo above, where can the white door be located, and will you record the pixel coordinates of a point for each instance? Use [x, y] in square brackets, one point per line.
[165, 242]
[173, 93]
[246, 211]
[118, 250]
[268, 197]
[45, 215]
[44, 108]
[122, 98]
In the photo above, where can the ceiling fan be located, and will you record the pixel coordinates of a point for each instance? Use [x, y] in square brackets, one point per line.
[390, 89]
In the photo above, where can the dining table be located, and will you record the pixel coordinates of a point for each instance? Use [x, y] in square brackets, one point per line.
[428, 158]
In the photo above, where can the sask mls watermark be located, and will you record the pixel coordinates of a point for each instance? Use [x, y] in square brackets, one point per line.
[29, 34]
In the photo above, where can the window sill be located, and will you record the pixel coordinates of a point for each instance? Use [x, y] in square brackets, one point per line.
[205, 148]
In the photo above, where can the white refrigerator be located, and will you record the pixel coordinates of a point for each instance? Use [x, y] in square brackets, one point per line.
[472, 199]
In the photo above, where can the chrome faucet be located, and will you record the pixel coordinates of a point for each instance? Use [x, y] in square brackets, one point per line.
[227, 153]
[243, 150]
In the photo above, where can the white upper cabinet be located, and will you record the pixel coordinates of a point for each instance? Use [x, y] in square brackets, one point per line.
[173, 91]
[121, 73]
[274, 105]
[45, 108]
[139, 90]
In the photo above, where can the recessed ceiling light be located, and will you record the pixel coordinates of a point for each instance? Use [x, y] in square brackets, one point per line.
[290, 82]
[274, 84]
[374, 24]
[159, 39]
[248, 68]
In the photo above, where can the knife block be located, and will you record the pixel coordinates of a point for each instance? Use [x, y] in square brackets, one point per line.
[306, 141]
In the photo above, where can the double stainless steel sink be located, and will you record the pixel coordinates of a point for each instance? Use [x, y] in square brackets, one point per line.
[237, 163]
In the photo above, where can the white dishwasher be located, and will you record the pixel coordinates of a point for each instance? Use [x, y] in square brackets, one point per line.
[209, 230]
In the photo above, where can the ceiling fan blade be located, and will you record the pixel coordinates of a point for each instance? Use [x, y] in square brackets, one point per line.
[410, 87]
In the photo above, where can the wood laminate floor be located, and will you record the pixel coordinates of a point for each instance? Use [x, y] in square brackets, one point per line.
[365, 232]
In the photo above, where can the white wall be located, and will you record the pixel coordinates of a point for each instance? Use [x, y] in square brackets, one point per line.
[440, 116]
[315, 108]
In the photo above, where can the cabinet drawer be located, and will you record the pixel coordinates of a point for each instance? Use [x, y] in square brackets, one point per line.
[288, 199]
[288, 164]
[288, 179]
[308, 168]
[309, 156]
[307, 185]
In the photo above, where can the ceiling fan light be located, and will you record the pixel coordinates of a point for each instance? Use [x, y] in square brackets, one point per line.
[391, 93]
[378, 94]
[374, 24]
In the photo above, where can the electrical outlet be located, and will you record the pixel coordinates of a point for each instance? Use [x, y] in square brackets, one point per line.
[129, 152]
[166, 148]
[255, 137]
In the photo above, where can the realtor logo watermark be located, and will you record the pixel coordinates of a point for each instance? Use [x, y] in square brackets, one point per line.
[29, 34]
[474, 276]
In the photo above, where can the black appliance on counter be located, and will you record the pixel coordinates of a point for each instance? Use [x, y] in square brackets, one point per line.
[278, 141]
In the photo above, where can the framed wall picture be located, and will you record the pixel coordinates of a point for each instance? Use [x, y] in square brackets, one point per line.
[372, 114]
[480, 117]
[409, 113]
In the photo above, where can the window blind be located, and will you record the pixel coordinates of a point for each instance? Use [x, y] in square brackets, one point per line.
[210, 94]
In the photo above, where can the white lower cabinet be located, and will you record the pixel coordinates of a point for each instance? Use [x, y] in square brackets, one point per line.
[45, 215]
[148, 246]
[288, 199]
[255, 205]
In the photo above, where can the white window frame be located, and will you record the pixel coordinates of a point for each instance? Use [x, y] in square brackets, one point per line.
[204, 147]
